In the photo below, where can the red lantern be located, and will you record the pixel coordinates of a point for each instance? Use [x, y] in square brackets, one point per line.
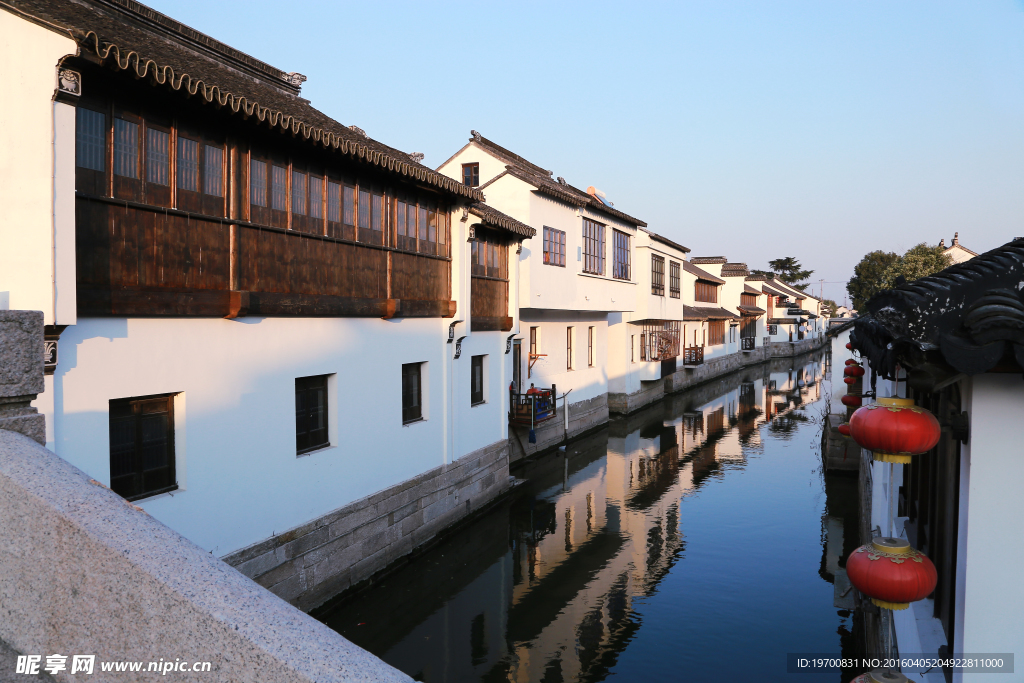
[850, 380]
[850, 361]
[852, 401]
[849, 346]
[844, 429]
[895, 429]
[854, 371]
[891, 573]
[882, 676]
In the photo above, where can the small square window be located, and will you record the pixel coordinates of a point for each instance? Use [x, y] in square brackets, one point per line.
[412, 392]
[142, 446]
[311, 414]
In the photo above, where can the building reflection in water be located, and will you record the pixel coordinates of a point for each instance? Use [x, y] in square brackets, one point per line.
[545, 586]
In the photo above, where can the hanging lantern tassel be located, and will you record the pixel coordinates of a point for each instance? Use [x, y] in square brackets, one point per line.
[891, 573]
[882, 676]
[894, 429]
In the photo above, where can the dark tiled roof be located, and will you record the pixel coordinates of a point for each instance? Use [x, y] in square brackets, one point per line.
[747, 289]
[751, 310]
[695, 313]
[709, 259]
[493, 218]
[669, 243]
[735, 270]
[774, 292]
[131, 37]
[969, 317]
[545, 184]
[702, 274]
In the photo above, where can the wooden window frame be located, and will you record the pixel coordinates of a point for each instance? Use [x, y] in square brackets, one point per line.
[476, 382]
[591, 343]
[136, 406]
[674, 279]
[554, 247]
[412, 411]
[304, 439]
[593, 247]
[621, 257]
[705, 292]
[716, 333]
[657, 275]
[471, 174]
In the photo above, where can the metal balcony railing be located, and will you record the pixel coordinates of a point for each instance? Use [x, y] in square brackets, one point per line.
[530, 409]
[693, 355]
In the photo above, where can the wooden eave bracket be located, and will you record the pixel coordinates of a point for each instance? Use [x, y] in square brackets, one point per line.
[534, 357]
[452, 308]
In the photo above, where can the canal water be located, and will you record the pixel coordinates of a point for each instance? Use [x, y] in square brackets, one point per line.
[693, 541]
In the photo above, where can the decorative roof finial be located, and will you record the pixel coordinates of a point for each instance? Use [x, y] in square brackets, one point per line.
[956, 238]
[296, 79]
[561, 181]
[417, 157]
[942, 243]
[359, 131]
[476, 136]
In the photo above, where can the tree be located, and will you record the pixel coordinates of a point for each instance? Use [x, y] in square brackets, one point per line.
[790, 271]
[918, 262]
[867, 277]
[828, 308]
[881, 270]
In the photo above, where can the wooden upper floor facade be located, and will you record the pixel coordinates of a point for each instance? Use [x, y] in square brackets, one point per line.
[181, 210]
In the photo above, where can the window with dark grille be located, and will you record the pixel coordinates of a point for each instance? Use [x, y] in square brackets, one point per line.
[471, 174]
[657, 275]
[412, 392]
[298, 193]
[554, 247]
[590, 346]
[142, 446]
[477, 380]
[258, 183]
[126, 148]
[620, 265]
[316, 197]
[593, 247]
[188, 164]
[279, 188]
[213, 171]
[706, 291]
[158, 157]
[311, 413]
[673, 279]
[90, 134]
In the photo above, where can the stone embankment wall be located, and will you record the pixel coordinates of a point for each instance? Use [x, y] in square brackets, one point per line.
[584, 416]
[82, 571]
[21, 373]
[314, 562]
[716, 367]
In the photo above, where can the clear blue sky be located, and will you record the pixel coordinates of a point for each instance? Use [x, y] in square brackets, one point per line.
[752, 130]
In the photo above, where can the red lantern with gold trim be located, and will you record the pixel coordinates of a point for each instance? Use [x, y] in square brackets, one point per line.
[850, 380]
[854, 371]
[891, 573]
[852, 401]
[895, 429]
[850, 361]
[882, 676]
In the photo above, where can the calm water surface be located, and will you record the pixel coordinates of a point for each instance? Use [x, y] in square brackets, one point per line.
[687, 542]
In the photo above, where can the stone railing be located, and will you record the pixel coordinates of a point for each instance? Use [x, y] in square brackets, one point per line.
[84, 572]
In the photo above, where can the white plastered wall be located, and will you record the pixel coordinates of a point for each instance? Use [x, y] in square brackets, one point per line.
[29, 161]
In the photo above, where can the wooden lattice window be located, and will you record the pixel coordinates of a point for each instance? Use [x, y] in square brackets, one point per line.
[593, 247]
[657, 275]
[673, 280]
[621, 262]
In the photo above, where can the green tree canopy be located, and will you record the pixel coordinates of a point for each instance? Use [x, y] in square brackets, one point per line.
[880, 270]
[790, 271]
[867, 277]
[918, 262]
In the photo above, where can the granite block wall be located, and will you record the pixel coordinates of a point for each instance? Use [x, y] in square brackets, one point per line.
[312, 563]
